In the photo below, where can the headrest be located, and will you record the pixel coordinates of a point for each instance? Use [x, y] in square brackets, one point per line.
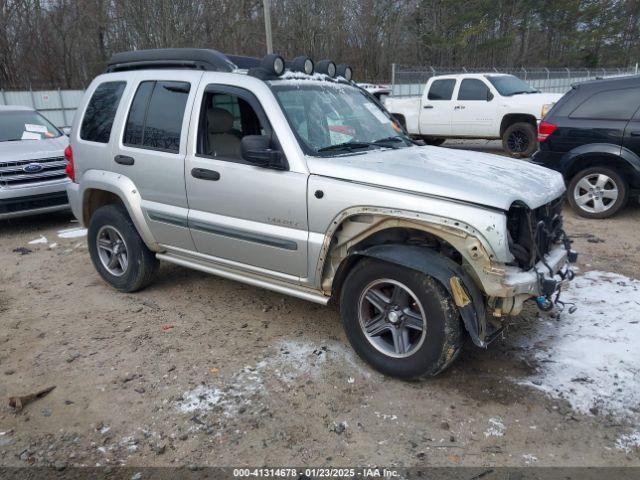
[220, 120]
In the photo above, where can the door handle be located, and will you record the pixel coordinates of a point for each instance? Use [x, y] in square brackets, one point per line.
[428, 106]
[205, 174]
[635, 133]
[124, 160]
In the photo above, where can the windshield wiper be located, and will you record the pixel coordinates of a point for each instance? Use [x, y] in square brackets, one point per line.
[353, 146]
[394, 138]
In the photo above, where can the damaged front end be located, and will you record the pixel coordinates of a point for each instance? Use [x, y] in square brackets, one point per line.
[542, 257]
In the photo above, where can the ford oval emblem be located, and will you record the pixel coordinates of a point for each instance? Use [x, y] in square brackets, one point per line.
[32, 168]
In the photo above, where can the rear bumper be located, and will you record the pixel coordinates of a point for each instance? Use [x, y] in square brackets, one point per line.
[547, 159]
[519, 282]
[34, 199]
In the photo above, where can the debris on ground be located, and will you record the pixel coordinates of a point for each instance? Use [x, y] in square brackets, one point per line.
[19, 402]
[22, 251]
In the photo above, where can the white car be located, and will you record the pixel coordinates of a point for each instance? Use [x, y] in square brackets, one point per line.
[32, 164]
[488, 105]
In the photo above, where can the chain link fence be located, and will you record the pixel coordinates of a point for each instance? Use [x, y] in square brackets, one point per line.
[410, 81]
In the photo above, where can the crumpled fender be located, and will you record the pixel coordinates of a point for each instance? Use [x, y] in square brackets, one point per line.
[442, 269]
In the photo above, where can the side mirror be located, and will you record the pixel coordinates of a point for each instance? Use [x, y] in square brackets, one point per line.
[489, 96]
[257, 150]
[66, 131]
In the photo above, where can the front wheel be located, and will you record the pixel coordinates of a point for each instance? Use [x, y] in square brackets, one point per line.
[117, 251]
[597, 192]
[519, 140]
[436, 142]
[400, 321]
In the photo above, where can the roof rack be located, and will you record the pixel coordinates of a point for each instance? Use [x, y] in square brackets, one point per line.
[187, 58]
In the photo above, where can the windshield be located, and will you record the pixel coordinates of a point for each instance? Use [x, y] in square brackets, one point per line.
[25, 125]
[333, 119]
[508, 85]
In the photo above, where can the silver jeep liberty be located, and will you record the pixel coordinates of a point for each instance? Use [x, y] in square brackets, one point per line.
[287, 176]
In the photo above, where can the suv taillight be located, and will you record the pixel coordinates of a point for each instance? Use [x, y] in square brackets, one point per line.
[69, 169]
[544, 130]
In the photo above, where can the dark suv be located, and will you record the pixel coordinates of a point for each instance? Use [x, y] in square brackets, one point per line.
[592, 137]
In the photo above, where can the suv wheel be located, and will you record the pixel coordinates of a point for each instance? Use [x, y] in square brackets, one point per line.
[519, 140]
[400, 321]
[597, 192]
[117, 251]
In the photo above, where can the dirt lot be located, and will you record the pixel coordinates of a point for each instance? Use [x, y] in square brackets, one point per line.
[201, 370]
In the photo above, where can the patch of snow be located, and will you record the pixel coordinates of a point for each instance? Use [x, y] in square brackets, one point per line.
[42, 239]
[590, 358]
[53, 245]
[385, 416]
[75, 232]
[529, 459]
[628, 442]
[496, 428]
[201, 398]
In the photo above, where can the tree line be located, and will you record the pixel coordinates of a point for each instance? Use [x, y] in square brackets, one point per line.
[65, 43]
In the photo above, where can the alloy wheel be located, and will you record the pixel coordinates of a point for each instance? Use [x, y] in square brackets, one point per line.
[595, 193]
[112, 250]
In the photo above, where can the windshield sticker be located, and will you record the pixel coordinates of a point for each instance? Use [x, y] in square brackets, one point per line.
[31, 136]
[376, 112]
[30, 127]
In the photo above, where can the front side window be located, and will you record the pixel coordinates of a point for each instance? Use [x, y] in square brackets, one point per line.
[333, 119]
[508, 85]
[225, 120]
[25, 125]
[473, 89]
[156, 115]
[441, 89]
[101, 110]
[609, 105]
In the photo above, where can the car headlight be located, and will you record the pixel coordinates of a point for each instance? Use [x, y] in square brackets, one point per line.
[545, 109]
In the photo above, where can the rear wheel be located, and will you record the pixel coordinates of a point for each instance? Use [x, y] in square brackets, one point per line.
[117, 251]
[597, 192]
[400, 321]
[519, 140]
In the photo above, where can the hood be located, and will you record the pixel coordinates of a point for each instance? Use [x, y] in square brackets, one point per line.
[472, 177]
[33, 149]
[536, 100]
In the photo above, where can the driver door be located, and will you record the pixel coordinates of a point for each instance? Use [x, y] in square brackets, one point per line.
[239, 214]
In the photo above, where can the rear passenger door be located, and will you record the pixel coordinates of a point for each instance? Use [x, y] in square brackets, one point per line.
[435, 116]
[152, 149]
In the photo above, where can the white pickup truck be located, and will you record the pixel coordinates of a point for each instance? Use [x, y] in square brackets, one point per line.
[488, 105]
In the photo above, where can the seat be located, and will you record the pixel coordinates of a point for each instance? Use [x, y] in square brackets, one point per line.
[222, 141]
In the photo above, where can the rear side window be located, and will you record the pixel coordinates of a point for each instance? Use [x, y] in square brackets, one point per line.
[472, 89]
[156, 114]
[98, 118]
[609, 105]
[441, 89]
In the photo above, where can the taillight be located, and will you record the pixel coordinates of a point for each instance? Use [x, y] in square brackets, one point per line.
[69, 169]
[544, 130]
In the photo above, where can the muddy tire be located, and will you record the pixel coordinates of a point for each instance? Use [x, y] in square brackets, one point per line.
[400, 321]
[520, 140]
[597, 192]
[117, 251]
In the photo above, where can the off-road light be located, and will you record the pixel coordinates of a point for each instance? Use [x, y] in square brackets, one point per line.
[345, 72]
[273, 64]
[302, 64]
[327, 67]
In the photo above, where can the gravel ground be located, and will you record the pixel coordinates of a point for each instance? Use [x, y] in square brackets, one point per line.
[201, 370]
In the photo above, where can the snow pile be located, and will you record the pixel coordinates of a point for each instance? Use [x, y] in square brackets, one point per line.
[202, 398]
[496, 428]
[629, 442]
[591, 358]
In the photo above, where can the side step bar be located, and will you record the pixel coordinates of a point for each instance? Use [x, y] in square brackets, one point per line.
[249, 279]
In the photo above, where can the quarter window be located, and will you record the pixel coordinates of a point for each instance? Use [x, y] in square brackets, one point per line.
[441, 89]
[156, 115]
[609, 105]
[101, 110]
[473, 89]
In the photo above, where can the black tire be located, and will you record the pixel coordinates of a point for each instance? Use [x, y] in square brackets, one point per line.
[587, 210]
[142, 263]
[434, 141]
[444, 331]
[520, 140]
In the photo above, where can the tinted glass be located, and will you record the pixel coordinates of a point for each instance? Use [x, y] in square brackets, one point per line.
[164, 116]
[98, 118]
[508, 85]
[441, 89]
[25, 125]
[135, 121]
[472, 89]
[610, 105]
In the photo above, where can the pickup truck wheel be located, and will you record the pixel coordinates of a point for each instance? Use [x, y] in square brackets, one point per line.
[400, 321]
[434, 141]
[597, 192]
[519, 140]
[117, 251]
